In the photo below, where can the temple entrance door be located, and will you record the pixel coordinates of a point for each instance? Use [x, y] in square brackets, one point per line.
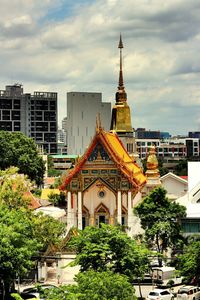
[101, 215]
[83, 222]
[102, 219]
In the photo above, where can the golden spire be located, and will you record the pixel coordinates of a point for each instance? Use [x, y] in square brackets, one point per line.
[121, 94]
[121, 83]
[98, 123]
[121, 115]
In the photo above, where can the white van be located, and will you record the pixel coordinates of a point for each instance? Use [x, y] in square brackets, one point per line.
[162, 275]
[188, 292]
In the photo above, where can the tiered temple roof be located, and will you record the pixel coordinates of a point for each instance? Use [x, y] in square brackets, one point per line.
[116, 151]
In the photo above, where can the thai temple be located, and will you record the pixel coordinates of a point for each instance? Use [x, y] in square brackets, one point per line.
[106, 182]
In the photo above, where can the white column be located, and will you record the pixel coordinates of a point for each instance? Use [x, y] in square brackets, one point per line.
[119, 207]
[75, 209]
[80, 210]
[72, 209]
[69, 210]
[129, 209]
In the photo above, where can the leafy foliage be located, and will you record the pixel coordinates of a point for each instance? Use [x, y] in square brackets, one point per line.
[160, 218]
[57, 200]
[47, 230]
[51, 171]
[20, 151]
[181, 167]
[37, 192]
[97, 286]
[189, 262]
[109, 248]
[13, 188]
[22, 233]
[17, 244]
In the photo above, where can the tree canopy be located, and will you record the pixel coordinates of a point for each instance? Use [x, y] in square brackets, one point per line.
[97, 286]
[17, 243]
[109, 248]
[13, 188]
[23, 233]
[189, 262]
[182, 167]
[20, 151]
[160, 218]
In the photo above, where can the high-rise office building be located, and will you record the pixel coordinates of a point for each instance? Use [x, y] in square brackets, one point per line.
[82, 111]
[34, 115]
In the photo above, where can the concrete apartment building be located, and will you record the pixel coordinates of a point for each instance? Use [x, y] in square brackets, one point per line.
[34, 115]
[82, 110]
[169, 148]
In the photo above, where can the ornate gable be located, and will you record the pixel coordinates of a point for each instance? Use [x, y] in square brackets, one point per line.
[99, 153]
[105, 158]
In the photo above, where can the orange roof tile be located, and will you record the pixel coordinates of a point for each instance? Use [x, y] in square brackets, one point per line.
[50, 180]
[117, 152]
[34, 202]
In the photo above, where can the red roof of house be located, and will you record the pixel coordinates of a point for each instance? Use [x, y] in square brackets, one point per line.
[184, 177]
[34, 202]
[49, 180]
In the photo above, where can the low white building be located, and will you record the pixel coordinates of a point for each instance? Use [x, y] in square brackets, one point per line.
[174, 185]
[54, 212]
[191, 200]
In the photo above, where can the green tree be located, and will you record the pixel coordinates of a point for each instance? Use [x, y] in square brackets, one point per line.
[47, 230]
[13, 188]
[57, 200]
[97, 286]
[22, 233]
[109, 248]
[189, 262]
[181, 167]
[52, 172]
[20, 151]
[160, 218]
[17, 244]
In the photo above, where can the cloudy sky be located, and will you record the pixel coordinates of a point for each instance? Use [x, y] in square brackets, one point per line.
[71, 45]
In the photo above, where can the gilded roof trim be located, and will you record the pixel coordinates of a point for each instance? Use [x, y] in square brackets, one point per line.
[119, 155]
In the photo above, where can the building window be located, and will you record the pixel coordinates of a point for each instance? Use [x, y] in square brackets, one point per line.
[6, 126]
[130, 148]
[6, 115]
[101, 194]
[6, 104]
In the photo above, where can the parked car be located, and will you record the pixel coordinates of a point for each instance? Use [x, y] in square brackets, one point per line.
[37, 292]
[188, 292]
[160, 294]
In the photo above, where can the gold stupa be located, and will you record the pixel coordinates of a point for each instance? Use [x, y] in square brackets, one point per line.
[152, 164]
[121, 116]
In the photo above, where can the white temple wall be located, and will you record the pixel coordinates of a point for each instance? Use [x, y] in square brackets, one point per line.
[91, 199]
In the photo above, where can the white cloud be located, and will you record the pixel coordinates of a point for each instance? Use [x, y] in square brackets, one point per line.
[78, 51]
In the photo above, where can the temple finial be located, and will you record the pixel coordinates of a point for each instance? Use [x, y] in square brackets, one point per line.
[120, 46]
[98, 123]
[121, 94]
[121, 81]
